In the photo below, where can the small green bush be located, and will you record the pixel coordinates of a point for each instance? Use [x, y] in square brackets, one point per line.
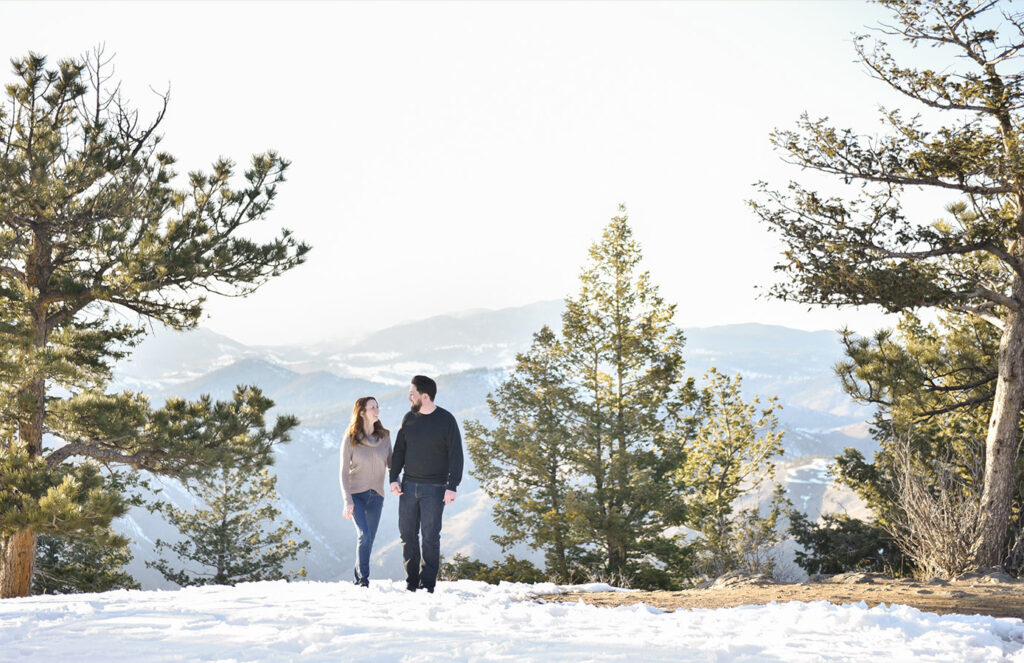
[511, 569]
[840, 544]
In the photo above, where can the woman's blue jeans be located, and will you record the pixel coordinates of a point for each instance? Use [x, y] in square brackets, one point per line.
[366, 516]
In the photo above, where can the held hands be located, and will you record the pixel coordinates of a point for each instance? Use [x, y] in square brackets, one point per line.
[349, 510]
[396, 489]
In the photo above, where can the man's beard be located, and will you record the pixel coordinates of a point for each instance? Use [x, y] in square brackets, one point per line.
[415, 407]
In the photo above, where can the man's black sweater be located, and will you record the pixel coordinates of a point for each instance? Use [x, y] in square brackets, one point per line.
[429, 448]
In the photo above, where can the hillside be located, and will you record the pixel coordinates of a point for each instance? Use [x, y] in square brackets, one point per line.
[469, 354]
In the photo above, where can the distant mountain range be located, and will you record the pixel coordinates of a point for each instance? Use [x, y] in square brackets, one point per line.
[469, 354]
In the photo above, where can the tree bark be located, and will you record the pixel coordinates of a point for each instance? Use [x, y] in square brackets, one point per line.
[17, 562]
[1003, 438]
[18, 551]
[30, 428]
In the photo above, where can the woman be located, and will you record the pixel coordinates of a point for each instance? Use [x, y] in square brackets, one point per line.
[365, 459]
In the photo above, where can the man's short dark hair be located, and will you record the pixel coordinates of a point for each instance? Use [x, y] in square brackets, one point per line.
[425, 385]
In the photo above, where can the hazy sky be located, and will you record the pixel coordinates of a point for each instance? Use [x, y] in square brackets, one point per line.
[449, 156]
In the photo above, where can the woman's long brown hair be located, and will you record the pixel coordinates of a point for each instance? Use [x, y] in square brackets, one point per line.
[355, 431]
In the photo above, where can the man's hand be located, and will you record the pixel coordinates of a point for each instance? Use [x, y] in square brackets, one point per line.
[396, 488]
[449, 496]
[349, 510]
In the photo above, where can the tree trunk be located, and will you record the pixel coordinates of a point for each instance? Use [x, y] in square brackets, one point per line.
[18, 551]
[1003, 438]
[557, 560]
[30, 427]
[17, 562]
[616, 560]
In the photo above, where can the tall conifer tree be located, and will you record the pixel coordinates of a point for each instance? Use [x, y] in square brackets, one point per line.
[91, 226]
[525, 461]
[866, 250]
[601, 413]
[624, 356]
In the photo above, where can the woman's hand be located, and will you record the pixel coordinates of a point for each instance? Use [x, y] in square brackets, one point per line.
[349, 510]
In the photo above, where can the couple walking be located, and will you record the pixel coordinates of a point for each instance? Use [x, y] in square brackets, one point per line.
[429, 450]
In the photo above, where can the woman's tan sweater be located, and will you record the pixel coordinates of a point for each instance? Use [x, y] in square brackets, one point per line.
[364, 466]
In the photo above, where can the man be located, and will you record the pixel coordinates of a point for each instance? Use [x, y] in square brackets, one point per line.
[429, 449]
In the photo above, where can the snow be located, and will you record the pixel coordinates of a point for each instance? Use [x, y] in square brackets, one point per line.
[472, 621]
[816, 471]
[369, 356]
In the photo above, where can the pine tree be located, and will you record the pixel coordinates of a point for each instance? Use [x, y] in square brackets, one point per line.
[624, 359]
[839, 543]
[233, 539]
[591, 424]
[932, 385]
[865, 250]
[66, 565]
[524, 461]
[730, 456]
[510, 569]
[91, 229]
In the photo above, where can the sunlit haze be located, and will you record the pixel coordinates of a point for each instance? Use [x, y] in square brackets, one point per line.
[450, 156]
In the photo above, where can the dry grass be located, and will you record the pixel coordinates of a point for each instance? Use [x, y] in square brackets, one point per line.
[993, 594]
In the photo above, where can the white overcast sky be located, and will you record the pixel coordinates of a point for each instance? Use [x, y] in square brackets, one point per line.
[450, 156]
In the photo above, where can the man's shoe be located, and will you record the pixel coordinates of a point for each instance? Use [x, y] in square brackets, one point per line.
[429, 588]
[411, 588]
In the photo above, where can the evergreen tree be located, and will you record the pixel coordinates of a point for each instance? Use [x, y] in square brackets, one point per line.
[509, 569]
[932, 385]
[624, 360]
[66, 565]
[730, 456]
[234, 539]
[865, 250]
[590, 426]
[91, 227]
[524, 461]
[840, 543]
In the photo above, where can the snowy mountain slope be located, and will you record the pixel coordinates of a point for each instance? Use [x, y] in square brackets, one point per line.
[473, 338]
[442, 344]
[166, 356]
[818, 418]
[306, 395]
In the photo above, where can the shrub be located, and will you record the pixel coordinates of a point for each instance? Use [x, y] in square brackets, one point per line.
[839, 543]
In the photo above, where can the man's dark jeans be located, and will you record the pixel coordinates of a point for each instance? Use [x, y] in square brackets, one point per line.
[419, 509]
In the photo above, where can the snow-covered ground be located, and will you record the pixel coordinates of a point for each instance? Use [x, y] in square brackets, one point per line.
[472, 621]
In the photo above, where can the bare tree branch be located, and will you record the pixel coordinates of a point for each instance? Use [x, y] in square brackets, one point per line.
[101, 453]
[982, 314]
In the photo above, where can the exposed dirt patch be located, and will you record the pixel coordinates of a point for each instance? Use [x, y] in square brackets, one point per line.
[982, 593]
